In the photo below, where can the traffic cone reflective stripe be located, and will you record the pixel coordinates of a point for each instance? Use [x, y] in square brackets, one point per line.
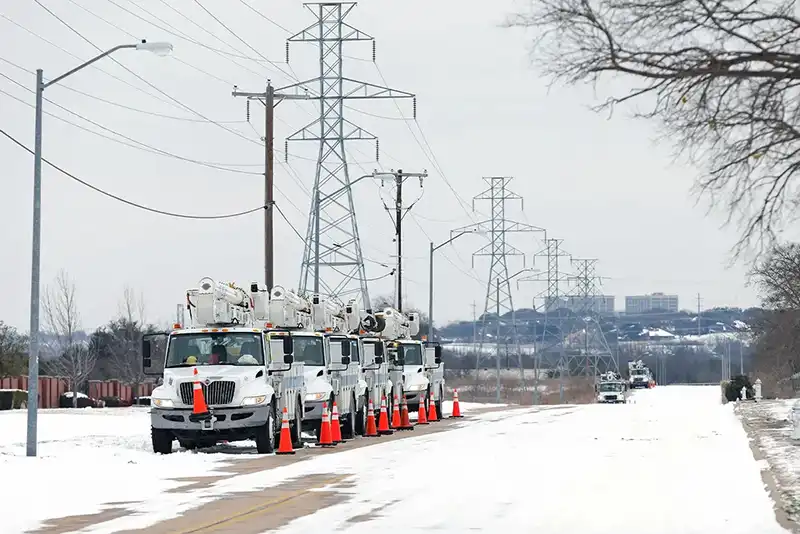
[372, 430]
[199, 407]
[285, 445]
[383, 420]
[432, 416]
[325, 428]
[395, 414]
[405, 423]
[336, 429]
[421, 419]
[456, 408]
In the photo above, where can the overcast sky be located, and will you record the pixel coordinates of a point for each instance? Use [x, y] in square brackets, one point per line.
[605, 186]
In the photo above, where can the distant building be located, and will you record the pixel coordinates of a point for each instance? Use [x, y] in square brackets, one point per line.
[645, 303]
[577, 303]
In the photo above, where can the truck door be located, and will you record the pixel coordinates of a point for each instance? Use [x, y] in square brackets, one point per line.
[154, 353]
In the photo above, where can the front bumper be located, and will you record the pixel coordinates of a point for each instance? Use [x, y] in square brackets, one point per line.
[313, 410]
[227, 419]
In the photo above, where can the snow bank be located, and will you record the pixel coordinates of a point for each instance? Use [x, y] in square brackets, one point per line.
[104, 454]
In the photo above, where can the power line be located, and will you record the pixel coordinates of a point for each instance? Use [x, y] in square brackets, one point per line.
[129, 202]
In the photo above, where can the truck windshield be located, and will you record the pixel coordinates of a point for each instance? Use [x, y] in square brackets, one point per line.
[637, 372]
[611, 387]
[218, 348]
[412, 354]
[308, 349]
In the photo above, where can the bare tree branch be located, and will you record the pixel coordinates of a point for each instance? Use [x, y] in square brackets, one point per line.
[720, 76]
[70, 356]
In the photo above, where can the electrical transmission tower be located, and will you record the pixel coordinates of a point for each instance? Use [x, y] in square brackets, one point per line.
[587, 351]
[498, 291]
[332, 240]
[554, 278]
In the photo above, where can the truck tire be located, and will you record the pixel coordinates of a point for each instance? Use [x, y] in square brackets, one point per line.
[162, 440]
[349, 425]
[439, 403]
[297, 426]
[268, 433]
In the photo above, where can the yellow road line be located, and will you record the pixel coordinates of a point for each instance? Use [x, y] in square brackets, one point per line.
[261, 508]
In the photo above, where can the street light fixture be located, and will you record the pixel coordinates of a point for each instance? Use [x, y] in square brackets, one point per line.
[157, 48]
[430, 275]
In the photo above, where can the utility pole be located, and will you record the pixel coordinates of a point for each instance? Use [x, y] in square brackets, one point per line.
[332, 237]
[399, 212]
[268, 99]
[497, 341]
[699, 332]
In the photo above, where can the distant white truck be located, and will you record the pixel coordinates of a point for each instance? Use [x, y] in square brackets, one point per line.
[639, 376]
[612, 392]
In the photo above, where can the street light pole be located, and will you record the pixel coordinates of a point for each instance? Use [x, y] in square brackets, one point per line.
[430, 277]
[33, 350]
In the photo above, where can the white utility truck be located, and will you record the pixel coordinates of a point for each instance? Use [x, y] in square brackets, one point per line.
[639, 375]
[415, 368]
[612, 389]
[245, 365]
[332, 375]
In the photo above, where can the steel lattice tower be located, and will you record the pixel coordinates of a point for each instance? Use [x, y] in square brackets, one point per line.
[590, 354]
[498, 291]
[332, 240]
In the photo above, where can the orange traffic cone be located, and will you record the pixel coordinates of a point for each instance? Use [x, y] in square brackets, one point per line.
[395, 414]
[285, 445]
[336, 428]
[383, 420]
[421, 419]
[324, 437]
[405, 423]
[199, 407]
[432, 416]
[372, 430]
[456, 408]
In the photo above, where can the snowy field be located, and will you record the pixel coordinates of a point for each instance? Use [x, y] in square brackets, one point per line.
[105, 455]
[769, 425]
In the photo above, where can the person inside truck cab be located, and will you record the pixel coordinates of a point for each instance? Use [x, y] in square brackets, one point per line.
[247, 354]
[219, 354]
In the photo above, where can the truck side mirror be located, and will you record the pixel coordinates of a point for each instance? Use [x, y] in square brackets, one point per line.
[379, 349]
[378, 360]
[147, 362]
[437, 358]
[288, 359]
[345, 360]
[346, 350]
[288, 346]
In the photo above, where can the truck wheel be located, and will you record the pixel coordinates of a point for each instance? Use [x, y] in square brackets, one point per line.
[361, 416]
[266, 434]
[297, 430]
[162, 440]
[349, 426]
[438, 404]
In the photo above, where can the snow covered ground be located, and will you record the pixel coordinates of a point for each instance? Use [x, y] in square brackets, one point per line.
[769, 426]
[105, 455]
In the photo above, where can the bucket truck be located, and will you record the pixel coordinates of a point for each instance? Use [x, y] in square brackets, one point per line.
[639, 375]
[415, 368]
[245, 366]
[335, 374]
[612, 389]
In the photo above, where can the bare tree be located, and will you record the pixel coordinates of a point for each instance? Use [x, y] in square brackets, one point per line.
[721, 77]
[126, 339]
[13, 351]
[777, 354]
[70, 355]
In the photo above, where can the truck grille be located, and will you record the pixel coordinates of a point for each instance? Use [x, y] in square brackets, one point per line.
[219, 392]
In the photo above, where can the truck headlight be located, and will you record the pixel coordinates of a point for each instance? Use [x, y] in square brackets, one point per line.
[252, 401]
[163, 403]
[416, 387]
[313, 397]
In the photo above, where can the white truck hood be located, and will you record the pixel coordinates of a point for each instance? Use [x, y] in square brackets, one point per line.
[314, 383]
[212, 372]
[415, 378]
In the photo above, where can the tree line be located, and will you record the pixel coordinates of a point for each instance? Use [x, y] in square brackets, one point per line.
[111, 351]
